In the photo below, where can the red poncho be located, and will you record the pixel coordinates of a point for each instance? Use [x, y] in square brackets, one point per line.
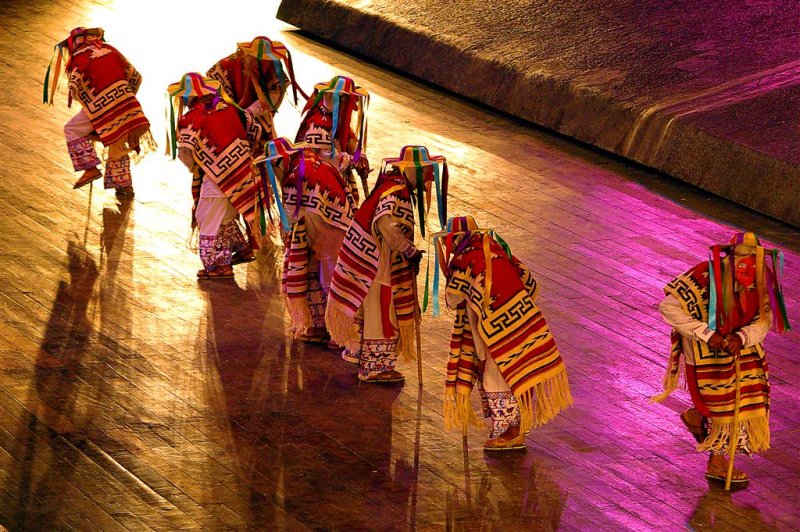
[105, 84]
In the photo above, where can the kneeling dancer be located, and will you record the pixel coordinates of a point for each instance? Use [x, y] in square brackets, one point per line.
[720, 312]
[500, 339]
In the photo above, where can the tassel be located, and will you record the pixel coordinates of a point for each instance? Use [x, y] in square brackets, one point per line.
[407, 345]
[342, 325]
[542, 403]
[458, 411]
[719, 439]
[300, 314]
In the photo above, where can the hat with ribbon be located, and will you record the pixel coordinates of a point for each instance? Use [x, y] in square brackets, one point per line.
[279, 152]
[721, 267]
[341, 111]
[67, 47]
[265, 49]
[420, 169]
[191, 85]
[448, 243]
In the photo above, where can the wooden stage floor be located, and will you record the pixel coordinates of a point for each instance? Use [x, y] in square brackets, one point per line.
[134, 397]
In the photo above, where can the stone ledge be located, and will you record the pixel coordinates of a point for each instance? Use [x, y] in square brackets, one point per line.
[682, 124]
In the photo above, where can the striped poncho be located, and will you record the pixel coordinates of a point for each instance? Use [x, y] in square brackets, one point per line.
[511, 326]
[220, 140]
[359, 261]
[323, 193]
[105, 84]
[715, 370]
[246, 88]
[319, 120]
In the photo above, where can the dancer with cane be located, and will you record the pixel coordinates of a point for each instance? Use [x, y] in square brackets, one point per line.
[500, 339]
[372, 303]
[720, 312]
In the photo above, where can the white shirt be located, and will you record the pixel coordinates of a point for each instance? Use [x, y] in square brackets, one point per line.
[691, 329]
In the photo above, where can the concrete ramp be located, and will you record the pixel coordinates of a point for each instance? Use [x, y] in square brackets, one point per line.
[707, 92]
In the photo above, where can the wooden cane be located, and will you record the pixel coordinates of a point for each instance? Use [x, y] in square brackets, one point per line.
[417, 321]
[734, 443]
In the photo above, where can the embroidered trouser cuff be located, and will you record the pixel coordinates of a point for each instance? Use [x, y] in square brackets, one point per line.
[82, 153]
[377, 356]
[118, 172]
[316, 297]
[232, 236]
[723, 443]
[217, 250]
[505, 413]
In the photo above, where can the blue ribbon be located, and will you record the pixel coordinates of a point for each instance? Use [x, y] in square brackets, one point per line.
[275, 190]
[335, 125]
[278, 69]
[712, 298]
[436, 309]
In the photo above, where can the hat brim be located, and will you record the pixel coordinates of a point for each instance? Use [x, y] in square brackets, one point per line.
[275, 48]
[97, 32]
[179, 88]
[295, 148]
[325, 88]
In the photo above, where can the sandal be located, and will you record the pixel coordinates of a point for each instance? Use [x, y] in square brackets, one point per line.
[215, 274]
[385, 377]
[503, 444]
[125, 191]
[88, 176]
[689, 418]
[350, 358]
[738, 477]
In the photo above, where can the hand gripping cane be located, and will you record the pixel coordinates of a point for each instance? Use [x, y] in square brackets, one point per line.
[734, 443]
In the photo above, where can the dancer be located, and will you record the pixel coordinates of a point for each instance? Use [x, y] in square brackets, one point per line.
[256, 77]
[214, 140]
[500, 339]
[720, 311]
[371, 303]
[316, 210]
[326, 126]
[105, 85]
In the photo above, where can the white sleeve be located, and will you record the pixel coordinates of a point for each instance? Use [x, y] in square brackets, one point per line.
[755, 332]
[670, 309]
[391, 233]
[185, 156]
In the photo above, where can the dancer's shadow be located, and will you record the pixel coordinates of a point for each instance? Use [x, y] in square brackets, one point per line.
[313, 447]
[71, 388]
[52, 419]
[716, 510]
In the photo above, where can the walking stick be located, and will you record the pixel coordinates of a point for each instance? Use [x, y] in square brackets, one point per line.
[735, 434]
[417, 321]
